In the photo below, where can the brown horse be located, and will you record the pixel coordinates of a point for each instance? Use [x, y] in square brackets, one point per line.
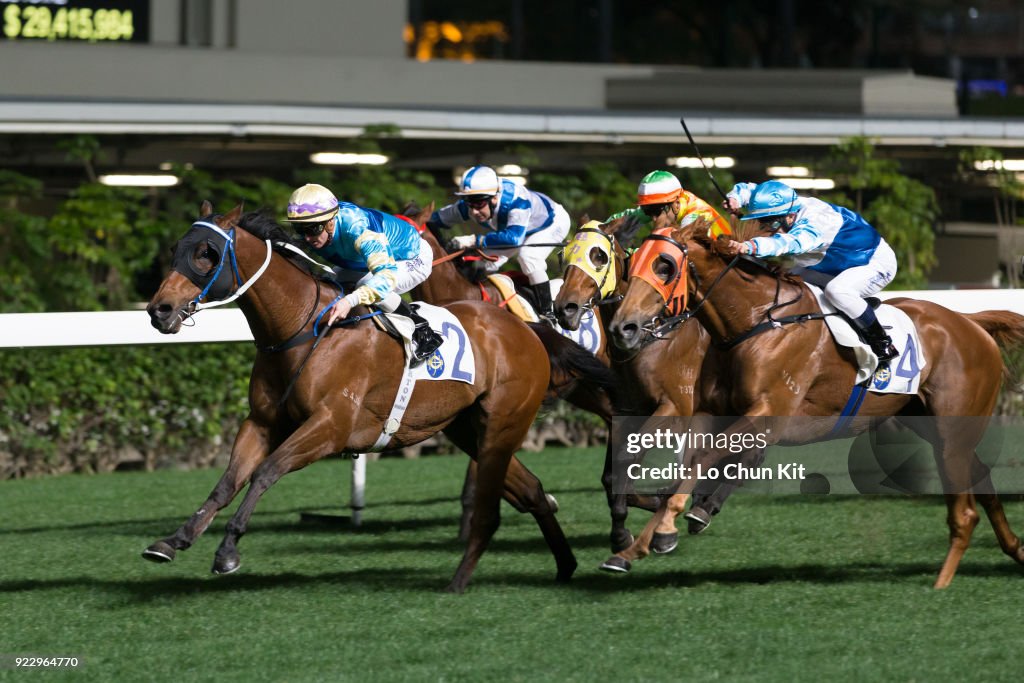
[660, 377]
[312, 395]
[447, 284]
[798, 370]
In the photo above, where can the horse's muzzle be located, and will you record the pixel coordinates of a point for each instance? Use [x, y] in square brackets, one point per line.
[627, 334]
[165, 317]
[569, 315]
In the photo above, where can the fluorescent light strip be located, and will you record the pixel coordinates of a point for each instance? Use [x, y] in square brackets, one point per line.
[789, 171]
[809, 183]
[347, 159]
[694, 162]
[138, 180]
[999, 164]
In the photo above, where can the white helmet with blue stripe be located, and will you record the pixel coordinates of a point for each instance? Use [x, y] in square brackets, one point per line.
[772, 198]
[479, 181]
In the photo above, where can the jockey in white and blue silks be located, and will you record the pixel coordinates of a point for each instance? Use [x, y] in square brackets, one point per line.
[828, 246]
[385, 254]
[517, 217]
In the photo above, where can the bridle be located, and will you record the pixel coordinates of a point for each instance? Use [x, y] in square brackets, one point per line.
[605, 277]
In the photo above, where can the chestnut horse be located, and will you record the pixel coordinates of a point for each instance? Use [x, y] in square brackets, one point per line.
[312, 395]
[661, 377]
[798, 370]
[447, 284]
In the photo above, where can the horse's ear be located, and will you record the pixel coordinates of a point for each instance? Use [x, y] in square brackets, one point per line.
[584, 219]
[429, 209]
[206, 208]
[232, 216]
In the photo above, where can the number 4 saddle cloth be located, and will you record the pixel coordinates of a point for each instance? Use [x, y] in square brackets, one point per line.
[901, 375]
[453, 360]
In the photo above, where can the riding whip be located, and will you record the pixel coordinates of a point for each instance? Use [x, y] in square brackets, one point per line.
[697, 150]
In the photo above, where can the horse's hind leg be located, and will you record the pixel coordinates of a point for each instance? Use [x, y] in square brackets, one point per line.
[468, 493]
[250, 448]
[1008, 540]
[499, 473]
[527, 489]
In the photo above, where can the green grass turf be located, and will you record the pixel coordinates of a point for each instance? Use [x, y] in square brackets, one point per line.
[780, 587]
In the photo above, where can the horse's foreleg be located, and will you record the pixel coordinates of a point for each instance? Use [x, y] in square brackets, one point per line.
[669, 509]
[961, 518]
[250, 448]
[322, 434]
[620, 535]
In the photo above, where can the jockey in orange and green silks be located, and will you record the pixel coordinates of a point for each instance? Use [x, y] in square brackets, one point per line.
[661, 191]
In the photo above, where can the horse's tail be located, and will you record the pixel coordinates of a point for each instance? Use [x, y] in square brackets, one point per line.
[574, 370]
[1007, 329]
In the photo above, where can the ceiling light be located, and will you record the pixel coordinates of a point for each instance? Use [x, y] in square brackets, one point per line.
[790, 171]
[809, 183]
[138, 180]
[694, 162]
[511, 169]
[999, 165]
[347, 158]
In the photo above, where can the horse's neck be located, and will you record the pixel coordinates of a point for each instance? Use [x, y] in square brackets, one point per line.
[732, 305]
[277, 304]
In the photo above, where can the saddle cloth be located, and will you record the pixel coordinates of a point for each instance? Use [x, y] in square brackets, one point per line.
[516, 302]
[902, 375]
[454, 360]
[589, 334]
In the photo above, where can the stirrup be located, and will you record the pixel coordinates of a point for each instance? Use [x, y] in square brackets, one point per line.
[884, 349]
[427, 342]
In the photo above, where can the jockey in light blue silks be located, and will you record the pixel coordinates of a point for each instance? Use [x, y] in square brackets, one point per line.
[828, 246]
[517, 217]
[384, 253]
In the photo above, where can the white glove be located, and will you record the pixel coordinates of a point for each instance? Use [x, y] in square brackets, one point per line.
[464, 241]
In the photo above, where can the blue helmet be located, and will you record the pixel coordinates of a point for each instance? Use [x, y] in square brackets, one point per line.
[772, 198]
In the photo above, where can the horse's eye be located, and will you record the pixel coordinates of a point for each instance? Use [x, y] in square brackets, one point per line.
[598, 258]
[664, 268]
[204, 256]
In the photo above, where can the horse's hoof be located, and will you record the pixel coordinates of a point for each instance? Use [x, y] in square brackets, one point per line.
[159, 552]
[565, 573]
[454, 588]
[697, 520]
[621, 541]
[664, 543]
[616, 564]
[552, 502]
[225, 565]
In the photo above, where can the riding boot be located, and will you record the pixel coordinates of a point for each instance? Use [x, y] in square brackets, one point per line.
[874, 334]
[425, 340]
[545, 307]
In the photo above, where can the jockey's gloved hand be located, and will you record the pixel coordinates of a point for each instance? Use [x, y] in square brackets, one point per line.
[462, 242]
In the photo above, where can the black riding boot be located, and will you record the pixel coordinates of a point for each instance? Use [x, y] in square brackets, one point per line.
[424, 339]
[876, 337]
[545, 307]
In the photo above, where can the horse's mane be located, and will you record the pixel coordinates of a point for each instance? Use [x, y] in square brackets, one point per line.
[628, 228]
[261, 224]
